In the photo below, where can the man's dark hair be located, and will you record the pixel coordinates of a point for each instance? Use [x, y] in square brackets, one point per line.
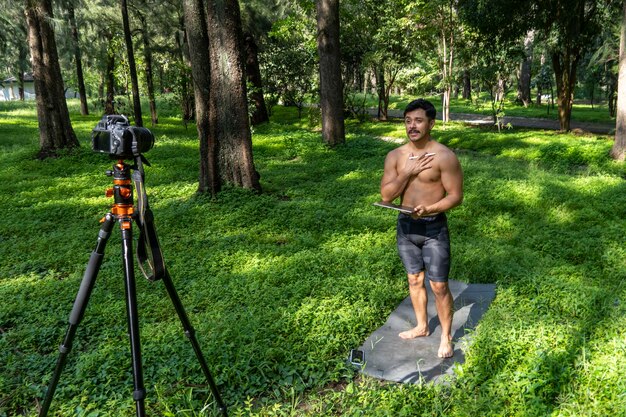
[420, 103]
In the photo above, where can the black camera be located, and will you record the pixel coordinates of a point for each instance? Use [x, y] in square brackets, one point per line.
[115, 136]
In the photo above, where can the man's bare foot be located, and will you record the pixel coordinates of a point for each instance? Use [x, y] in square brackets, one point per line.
[446, 349]
[414, 332]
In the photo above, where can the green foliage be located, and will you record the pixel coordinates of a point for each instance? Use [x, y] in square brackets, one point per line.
[505, 21]
[420, 78]
[280, 286]
[289, 62]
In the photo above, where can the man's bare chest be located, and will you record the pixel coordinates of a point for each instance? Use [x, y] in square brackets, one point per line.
[427, 177]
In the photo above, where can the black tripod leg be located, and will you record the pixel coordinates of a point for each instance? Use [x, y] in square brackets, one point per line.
[139, 393]
[191, 335]
[80, 304]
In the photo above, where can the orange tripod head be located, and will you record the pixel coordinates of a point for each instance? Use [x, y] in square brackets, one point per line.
[122, 191]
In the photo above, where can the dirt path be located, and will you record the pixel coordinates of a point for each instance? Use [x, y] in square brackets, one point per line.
[530, 122]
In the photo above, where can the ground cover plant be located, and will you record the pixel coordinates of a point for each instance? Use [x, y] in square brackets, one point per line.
[280, 286]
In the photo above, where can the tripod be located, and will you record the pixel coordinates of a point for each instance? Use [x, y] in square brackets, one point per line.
[124, 213]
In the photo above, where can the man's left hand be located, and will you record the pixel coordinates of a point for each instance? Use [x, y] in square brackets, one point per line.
[421, 210]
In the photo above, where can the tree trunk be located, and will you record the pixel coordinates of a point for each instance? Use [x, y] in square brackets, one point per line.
[523, 93]
[540, 80]
[228, 110]
[618, 151]
[198, 41]
[187, 100]
[445, 98]
[612, 96]
[445, 104]
[147, 54]
[467, 85]
[55, 128]
[22, 64]
[131, 65]
[84, 109]
[109, 102]
[253, 72]
[331, 88]
[379, 74]
[20, 85]
[538, 98]
[525, 70]
[499, 104]
[501, 89]
[446, 49]
[564, 65]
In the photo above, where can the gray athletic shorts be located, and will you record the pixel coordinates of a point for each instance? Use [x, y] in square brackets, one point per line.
[424, 244]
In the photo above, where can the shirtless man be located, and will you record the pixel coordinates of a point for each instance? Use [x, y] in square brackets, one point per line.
[427, 176]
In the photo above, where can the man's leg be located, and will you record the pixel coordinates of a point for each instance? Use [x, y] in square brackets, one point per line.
[419, 299]
[445, 310]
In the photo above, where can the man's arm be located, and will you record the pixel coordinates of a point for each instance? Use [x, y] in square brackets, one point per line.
[392, 184]
[452, 181]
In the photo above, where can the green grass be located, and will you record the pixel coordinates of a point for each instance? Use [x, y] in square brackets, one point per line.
[280, 286]
[581, 112]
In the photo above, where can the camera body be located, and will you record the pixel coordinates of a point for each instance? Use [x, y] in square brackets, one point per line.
[114, 135]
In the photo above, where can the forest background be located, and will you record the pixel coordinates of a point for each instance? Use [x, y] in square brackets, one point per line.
[282, 283]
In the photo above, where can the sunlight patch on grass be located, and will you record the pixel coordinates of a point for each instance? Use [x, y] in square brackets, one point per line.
[167, 139]
[527, 193]
[533, 140]
[354, 175]
[561, 215]
[253, 263]
[14, 286]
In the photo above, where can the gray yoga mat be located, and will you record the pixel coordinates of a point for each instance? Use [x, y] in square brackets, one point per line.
[387, 356]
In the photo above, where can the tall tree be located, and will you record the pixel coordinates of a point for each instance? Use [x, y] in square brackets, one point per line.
[21, 67]
[523, 88]
[104, 53]
[447, 23]
[289, 61]
[226, 140]
[618, 151]
[493, 67]
[331, 88]
[84, 109]
[198, 40]
[567, 26]
[228, 112]
[55, 128]
[387, 36]
[182, 82]
[253, 72]
[257, 19]
[467, 84]
[601, 68]
[14, 53]
[109, 75]
[131, 63]
[575, 26]
[148, 62]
